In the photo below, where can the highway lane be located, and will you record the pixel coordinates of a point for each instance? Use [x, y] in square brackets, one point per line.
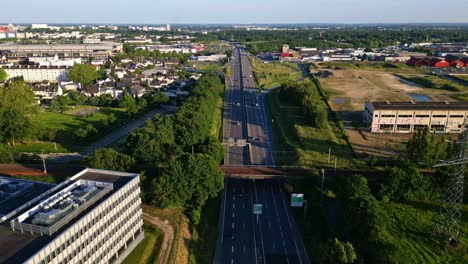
[233, 119]
[258, 120]
[271, 237]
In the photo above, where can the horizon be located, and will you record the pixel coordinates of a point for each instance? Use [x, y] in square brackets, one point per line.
[242, 12]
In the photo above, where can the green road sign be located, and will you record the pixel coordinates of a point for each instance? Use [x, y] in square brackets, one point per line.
[297, 199]
[257, 209]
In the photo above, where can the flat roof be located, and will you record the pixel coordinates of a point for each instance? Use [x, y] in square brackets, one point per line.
[58, 47]
[16, 247]
[15, 198]
[459, 106]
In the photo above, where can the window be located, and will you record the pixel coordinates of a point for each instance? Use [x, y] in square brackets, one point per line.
[439, 115]
[422, 115]
[387, 115]
[405, 115]
[386, 127]
[376, 115]
[456, 116]
[403, 127]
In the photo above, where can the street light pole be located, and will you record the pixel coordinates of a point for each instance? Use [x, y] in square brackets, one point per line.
[321, 188]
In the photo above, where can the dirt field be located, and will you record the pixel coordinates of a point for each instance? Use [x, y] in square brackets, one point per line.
[357, 86]
[350, 88]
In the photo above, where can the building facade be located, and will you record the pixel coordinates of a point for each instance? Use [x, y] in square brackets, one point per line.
[38, 74]
[408, 117]
[102, 50]
[94, 217]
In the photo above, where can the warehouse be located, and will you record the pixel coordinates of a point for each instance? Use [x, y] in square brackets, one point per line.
[407, 117]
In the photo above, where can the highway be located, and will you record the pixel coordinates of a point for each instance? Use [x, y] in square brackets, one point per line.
[258, 120]
[243, 237]
[271, 237]
[234, 126]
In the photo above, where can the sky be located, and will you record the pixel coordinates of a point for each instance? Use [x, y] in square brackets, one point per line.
[233, 11]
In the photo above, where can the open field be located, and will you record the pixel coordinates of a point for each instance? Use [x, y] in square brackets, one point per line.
[370, 66]
[273, 73]
[65, 124]
[299, 143]
[412, 225]
[347, 86]
[148, 250]
[435, 82]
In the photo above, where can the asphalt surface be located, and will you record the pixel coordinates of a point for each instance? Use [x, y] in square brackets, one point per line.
[243, 237]
[234, 126]
[258, 120]
[271, 237]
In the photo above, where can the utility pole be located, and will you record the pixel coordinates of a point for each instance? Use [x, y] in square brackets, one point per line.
[43, 163]
[334, 171]
[321, 188]
[448, 220]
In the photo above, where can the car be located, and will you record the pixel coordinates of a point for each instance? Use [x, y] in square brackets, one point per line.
[256, 105]
[237, 123]
[237, 104]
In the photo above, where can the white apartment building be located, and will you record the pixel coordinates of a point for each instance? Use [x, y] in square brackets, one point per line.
[39, 26]
[93, 217]
[407, 117]
[35, 74]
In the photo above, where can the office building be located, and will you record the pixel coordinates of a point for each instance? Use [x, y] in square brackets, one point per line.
[103, 50]
[407, 117]
[93, 217]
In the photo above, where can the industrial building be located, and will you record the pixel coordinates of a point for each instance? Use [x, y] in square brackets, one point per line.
[407, 117]
[100, 51]
[93, 217]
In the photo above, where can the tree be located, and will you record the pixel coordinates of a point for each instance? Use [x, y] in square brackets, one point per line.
[110, 159]
[130, 104]
[335, 251]
[85, 132]
[404, 183]
[3, 75]
[5, 155]
[423, 149]
[84, 74]
[17, 106]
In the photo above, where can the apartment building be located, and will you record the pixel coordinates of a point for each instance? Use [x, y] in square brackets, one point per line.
[38, 74]
[93, 217]
[407, 117]
[102, 50]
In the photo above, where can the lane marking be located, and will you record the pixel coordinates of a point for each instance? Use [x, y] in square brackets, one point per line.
[232, 249]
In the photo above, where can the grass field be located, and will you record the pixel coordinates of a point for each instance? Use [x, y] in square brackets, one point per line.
[412, 224]
[299, 143]
[371, 66]
[217, 125]
[204, 235]
[461, 77]
[271, 74]
[66, 124]
[147, 251]
[435, 82]
[206, 66]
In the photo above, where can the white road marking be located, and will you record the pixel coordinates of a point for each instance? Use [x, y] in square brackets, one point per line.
[232, 249]
[232, 225]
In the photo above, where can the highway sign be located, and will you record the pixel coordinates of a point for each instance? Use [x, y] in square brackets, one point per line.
[257, 209]
[297, 199]
[241, 142]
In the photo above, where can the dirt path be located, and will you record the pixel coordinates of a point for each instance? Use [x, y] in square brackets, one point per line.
[168, 240]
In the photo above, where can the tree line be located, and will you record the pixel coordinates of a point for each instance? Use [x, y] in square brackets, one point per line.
[178, 152]
[308, 99]
[363, 37]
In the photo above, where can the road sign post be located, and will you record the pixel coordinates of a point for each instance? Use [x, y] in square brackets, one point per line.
[297, 199]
